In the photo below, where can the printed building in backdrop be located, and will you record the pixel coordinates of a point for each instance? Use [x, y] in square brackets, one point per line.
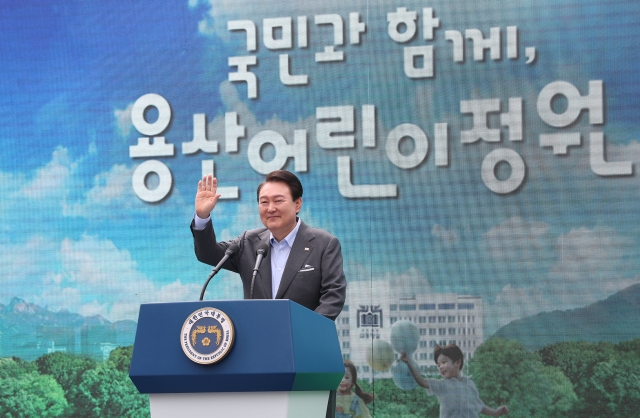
[441, 318]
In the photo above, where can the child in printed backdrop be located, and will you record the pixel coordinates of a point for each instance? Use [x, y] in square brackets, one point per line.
[348, 404]
[457, 394]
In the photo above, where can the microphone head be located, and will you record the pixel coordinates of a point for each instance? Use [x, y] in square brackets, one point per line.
[262, 249]
[232, 249]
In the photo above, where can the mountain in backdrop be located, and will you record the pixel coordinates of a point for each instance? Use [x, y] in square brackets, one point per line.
[28, 331]
[614, 319]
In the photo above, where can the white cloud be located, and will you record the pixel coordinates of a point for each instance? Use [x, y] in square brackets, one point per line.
[587, 268]
[24, 265]
[517, 240]
[84, 261]
[46, 190]
[94, 308]
[449, 237]
[89, 276]
[356, 272]
[123, 120]
[113, 193]
[589, 254]
[111, 189]
[70, 297]
[244, 217]
[407, 283]
[9, 183]
[144, 291]
[514, 303]
[411, 282]
[52, 180]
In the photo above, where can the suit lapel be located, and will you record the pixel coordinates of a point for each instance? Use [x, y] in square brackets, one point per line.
[264, 272]
[299, 253]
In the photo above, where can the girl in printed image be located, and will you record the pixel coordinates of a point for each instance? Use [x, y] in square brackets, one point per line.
[457, 394]
[348, 404]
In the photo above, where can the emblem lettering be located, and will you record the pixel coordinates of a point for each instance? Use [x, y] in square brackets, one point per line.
[198, 333]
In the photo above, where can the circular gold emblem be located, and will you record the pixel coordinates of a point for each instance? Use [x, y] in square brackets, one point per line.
[207, 336]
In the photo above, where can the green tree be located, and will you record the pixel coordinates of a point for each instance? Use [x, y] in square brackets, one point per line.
[15, 367]
[561, 400]
[25, 393]
[507, 374]
[613, 389]
[121, 358]
[605, 377]
[67, 369]
[577, 359]
[629, 349]
[108, 392]
[385, 409]
[391, 401]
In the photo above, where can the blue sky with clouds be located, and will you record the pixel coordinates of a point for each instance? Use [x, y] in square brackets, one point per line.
[74, 234]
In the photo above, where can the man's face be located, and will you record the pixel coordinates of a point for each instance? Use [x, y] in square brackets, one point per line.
[278, 209]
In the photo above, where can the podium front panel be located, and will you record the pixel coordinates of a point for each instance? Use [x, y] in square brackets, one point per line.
[278, 346]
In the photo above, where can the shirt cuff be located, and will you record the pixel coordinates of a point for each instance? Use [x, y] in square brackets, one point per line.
[199, 223]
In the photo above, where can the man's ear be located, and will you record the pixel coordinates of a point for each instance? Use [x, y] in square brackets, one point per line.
[458, 363]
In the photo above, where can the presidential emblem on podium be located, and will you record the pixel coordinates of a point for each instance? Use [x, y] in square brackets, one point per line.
[207, 336]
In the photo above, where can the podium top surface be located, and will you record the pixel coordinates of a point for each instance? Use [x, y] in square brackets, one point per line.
[278, 345]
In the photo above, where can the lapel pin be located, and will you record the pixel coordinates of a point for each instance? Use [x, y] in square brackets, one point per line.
[306, 248]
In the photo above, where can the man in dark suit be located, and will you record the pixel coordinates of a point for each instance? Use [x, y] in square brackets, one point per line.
[302, 263]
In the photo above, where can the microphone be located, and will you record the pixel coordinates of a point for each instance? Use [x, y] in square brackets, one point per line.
[260, 253]
[229, 253]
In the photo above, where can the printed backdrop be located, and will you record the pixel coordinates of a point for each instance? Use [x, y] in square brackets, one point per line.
[481, 148]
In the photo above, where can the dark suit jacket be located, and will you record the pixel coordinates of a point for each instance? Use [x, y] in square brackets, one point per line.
[312, 277]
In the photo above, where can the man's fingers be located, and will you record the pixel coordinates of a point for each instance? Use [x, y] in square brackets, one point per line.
[208, 183]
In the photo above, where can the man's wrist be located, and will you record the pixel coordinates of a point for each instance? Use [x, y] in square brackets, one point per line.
[200, 223]
[202, 215]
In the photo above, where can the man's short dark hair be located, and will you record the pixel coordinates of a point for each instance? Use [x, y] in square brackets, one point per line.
[286, 177]
[452, 351]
